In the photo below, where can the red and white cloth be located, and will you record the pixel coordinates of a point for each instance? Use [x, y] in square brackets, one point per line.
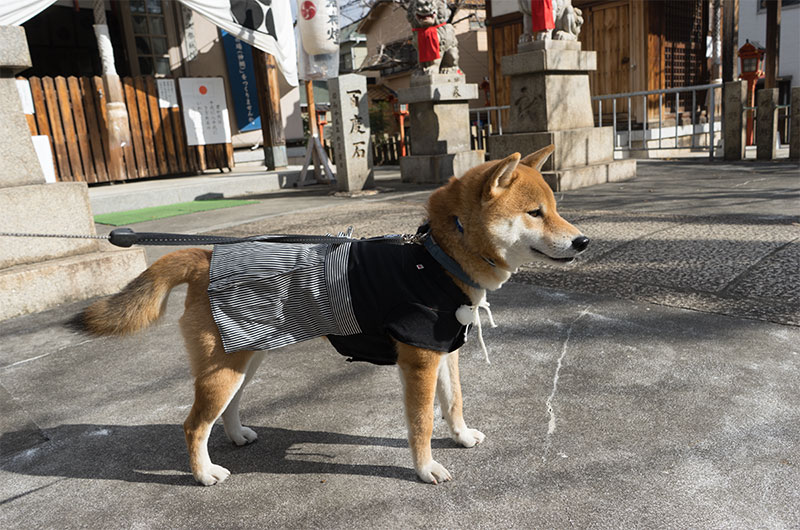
[542, 14]
[428, 43]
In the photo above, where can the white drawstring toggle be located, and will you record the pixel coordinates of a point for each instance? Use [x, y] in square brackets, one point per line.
[469, 314]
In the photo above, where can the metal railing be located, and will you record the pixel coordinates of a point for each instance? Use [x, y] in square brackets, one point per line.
[492, 125]
[783, 127]
[709, 128]
[699, 133]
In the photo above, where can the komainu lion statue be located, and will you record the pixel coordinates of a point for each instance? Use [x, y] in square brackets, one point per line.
[427, 17]
[568, 21]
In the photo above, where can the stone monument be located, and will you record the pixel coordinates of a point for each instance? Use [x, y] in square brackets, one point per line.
[352, 147]
[551, 104]
[39, 273]
[438, 99]
[767, 124]
[734, 138]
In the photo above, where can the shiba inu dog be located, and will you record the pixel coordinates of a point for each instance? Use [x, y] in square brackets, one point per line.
[495, 218]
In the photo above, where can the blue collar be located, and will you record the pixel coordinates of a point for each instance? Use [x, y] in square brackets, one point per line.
[460, 228]
[449, 264]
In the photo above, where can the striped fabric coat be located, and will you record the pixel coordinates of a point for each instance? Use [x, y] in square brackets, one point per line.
[362, 295]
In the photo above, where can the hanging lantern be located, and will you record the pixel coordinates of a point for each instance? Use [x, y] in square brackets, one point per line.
[318, 22]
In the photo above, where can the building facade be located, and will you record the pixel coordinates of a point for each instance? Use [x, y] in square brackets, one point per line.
[640, 45]
[157, 38]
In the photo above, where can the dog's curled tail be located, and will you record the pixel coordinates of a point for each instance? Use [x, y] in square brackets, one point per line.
[144, 299]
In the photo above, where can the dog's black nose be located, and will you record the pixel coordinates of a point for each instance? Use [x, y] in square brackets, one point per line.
[580, 243]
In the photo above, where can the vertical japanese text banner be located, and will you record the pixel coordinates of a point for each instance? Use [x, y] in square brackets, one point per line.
[242, 79]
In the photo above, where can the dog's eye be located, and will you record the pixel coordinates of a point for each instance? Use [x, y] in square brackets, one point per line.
[535, 213]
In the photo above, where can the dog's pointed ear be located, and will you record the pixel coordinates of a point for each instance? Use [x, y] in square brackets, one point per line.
[500, 178]
[536, 160]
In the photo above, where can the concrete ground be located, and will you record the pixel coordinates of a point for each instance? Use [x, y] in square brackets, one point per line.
[653, 384]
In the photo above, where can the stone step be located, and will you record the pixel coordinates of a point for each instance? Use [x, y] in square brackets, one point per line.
[38, 286]
[574, 147]
[59, 208]
[550, 61]
[571, 179]
[437, 169]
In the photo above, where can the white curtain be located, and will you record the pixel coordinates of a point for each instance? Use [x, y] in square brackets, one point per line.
[16, 12]
[264, 24]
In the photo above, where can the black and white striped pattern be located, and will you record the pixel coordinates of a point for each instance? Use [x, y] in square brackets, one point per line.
[266, 295]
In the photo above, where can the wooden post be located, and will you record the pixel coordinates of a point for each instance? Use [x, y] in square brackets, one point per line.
[730, 39]
[773, 43]
[269, 103]
[716, 63]
[314, 150]
[117, 112]
[312, 111]
[313, 127]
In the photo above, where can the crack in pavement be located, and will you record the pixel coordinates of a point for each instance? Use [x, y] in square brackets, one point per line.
[551, 425]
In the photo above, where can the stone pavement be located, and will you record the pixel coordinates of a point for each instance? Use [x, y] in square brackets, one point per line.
[652, 384]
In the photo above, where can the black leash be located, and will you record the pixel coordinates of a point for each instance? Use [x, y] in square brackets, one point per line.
[125, 237]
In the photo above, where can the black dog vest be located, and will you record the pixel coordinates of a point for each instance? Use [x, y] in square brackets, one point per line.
[362, 296]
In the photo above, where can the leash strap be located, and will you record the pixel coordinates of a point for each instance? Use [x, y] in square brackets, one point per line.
[125, 237]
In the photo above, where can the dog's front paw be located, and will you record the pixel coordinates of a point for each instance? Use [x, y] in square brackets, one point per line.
[211, 475]
[244, 436]
[469, 437]
[433, 473]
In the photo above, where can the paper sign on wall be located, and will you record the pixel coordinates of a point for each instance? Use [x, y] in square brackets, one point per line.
[167, 95]
[41, 144]
[24, 88]
[205, 110]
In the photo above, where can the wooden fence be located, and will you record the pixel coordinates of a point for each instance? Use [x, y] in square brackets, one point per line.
[72, 112]
[386, 150]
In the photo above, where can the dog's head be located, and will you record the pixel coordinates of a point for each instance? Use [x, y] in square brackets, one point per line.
[509, 213]
[519, 211]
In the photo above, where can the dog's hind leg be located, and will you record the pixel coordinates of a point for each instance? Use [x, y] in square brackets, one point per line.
[418, 370]
[213, 391]
[237, 433]
[218, 377]
[448, 390]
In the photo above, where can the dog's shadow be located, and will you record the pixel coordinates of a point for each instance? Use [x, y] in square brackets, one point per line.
[157, 453]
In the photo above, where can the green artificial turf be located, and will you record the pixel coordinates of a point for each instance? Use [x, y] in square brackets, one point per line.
[170, 210]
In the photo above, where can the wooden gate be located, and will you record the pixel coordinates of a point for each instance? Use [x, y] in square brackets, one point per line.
[72, 112]
[606, 29]
[503, 35]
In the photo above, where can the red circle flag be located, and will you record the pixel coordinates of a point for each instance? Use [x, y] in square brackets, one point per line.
[203, 89]
[308, 10]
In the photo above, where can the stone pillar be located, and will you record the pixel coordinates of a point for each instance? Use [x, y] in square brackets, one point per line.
[733, 124]
[551, 104]
[439, 121]
[39, 273]
[794, 126]
[18, 162]
[766, 123]
[352, 147]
